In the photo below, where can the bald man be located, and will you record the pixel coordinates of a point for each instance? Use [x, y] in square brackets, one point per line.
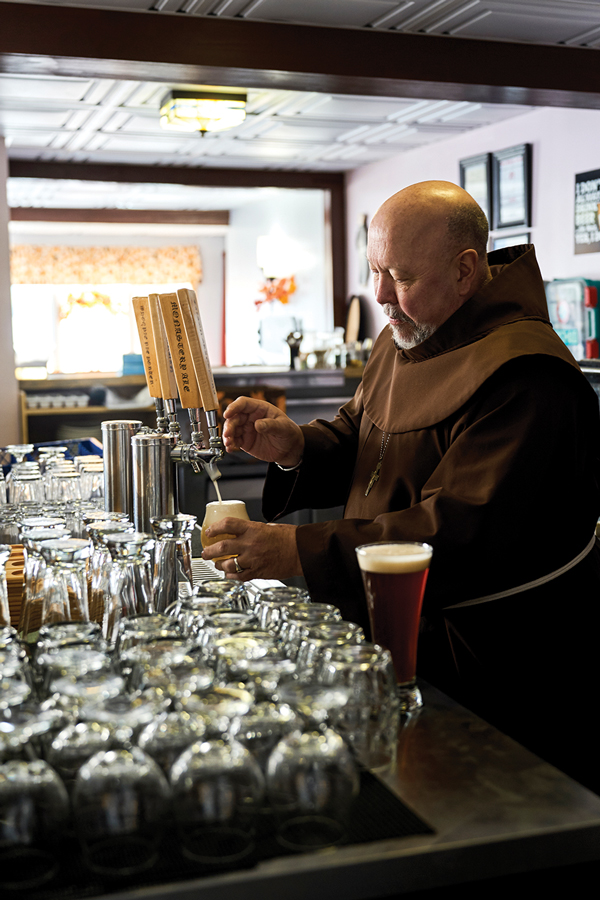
[473, 430]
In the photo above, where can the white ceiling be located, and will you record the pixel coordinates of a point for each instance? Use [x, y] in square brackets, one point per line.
[107, 121]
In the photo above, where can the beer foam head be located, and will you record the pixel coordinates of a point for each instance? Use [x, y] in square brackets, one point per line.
[219, 509]
[394, 558]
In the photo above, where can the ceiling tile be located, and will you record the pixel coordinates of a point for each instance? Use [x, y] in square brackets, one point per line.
[332, 12]
[55, 88]
[525, 26]
[298, 131]
[147, 146]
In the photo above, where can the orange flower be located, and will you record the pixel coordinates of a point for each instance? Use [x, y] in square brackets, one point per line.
[276, 289]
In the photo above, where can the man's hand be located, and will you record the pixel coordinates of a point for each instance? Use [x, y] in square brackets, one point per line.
[262, 430]
[262, 551]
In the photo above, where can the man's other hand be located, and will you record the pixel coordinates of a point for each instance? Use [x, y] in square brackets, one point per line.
[260, 550]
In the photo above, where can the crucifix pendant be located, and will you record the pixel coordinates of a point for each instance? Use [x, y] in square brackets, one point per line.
[374, 478]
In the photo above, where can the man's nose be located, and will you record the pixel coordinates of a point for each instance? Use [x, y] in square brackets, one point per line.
[384, 292]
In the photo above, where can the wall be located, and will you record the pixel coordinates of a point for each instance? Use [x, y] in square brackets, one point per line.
[9, 396]
[564, 144]
[300, 215]
[210, 290]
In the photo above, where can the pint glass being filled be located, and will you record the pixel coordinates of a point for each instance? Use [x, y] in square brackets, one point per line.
[216, 511]
[394, 575]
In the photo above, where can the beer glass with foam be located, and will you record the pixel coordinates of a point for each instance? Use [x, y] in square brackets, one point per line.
[394, 575]
[217, 510]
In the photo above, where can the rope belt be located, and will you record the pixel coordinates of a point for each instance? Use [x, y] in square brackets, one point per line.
[530, 584]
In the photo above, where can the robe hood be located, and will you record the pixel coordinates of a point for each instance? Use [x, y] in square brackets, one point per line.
[505, 319]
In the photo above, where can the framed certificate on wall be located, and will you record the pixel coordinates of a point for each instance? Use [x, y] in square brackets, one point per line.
[476, 179]
[511, 186]
[510, 240]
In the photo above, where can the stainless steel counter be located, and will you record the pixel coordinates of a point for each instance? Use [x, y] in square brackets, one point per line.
[496, 809]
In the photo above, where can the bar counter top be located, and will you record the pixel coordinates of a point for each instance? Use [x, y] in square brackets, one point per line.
[495, 807]
[280, 375]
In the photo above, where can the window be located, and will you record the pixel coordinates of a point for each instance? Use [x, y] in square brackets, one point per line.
[77, 328]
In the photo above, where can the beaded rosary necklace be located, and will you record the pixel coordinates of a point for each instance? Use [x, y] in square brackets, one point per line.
[377, 469]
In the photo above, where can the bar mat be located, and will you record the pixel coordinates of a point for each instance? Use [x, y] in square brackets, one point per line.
[377, 815]
[204, 570]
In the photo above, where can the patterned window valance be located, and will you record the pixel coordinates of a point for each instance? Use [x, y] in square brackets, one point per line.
[34, 264]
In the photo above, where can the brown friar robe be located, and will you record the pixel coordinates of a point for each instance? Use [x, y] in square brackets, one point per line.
[491, 447]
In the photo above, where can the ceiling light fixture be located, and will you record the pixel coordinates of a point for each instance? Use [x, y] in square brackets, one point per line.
[202, 110]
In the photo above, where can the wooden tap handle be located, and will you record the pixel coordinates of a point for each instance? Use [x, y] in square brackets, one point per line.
[189, 392]
[145, 331]
[200, 358]
[168, 382]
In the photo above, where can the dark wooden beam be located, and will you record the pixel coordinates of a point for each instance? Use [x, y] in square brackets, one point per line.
[176, 48]
[337, 212]
[123, 216]
[198, 176]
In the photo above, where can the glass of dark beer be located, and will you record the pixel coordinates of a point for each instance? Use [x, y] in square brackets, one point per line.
[394, 575]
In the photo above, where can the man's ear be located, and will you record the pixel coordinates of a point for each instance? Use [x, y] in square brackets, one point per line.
[467, 269]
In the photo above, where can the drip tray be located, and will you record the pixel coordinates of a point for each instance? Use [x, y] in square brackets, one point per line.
[377, 815]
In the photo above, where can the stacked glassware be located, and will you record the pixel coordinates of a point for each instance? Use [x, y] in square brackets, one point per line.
[229, 708]
[52, 477]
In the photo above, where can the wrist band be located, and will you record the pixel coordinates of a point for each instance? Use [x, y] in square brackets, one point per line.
[291, 468]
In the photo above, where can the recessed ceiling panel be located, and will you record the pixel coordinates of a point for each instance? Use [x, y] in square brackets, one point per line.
[535, 28]
[350, 108]
[148, 145]
[13, 119]
[258, 149]
[299, 131]
[29, 141]
[326, 12]
[149, 125]
[56, 88]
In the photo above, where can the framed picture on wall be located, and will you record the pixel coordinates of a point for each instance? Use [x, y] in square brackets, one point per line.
[476, 178]
[510, 240]
[587, 212]
[511, 186]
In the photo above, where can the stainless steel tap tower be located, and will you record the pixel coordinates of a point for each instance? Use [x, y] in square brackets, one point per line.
[139, 462]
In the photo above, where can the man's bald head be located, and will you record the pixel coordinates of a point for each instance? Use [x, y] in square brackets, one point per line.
[439, 207]
[427, 251]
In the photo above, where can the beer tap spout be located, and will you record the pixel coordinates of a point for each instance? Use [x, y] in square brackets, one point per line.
[213, 471]
[196, 457]
[213, 429]
[162, 423]
[195, 414]
[174, 429]
[215, 443]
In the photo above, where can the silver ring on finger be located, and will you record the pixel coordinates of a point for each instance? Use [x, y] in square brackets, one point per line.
[239, 569]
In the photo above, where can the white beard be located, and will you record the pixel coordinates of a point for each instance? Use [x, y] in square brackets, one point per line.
[419, 333]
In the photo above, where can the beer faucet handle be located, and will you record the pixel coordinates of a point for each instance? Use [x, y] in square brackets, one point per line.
[195, 334]
[145, 330]
[183, 367]
[164, 362]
